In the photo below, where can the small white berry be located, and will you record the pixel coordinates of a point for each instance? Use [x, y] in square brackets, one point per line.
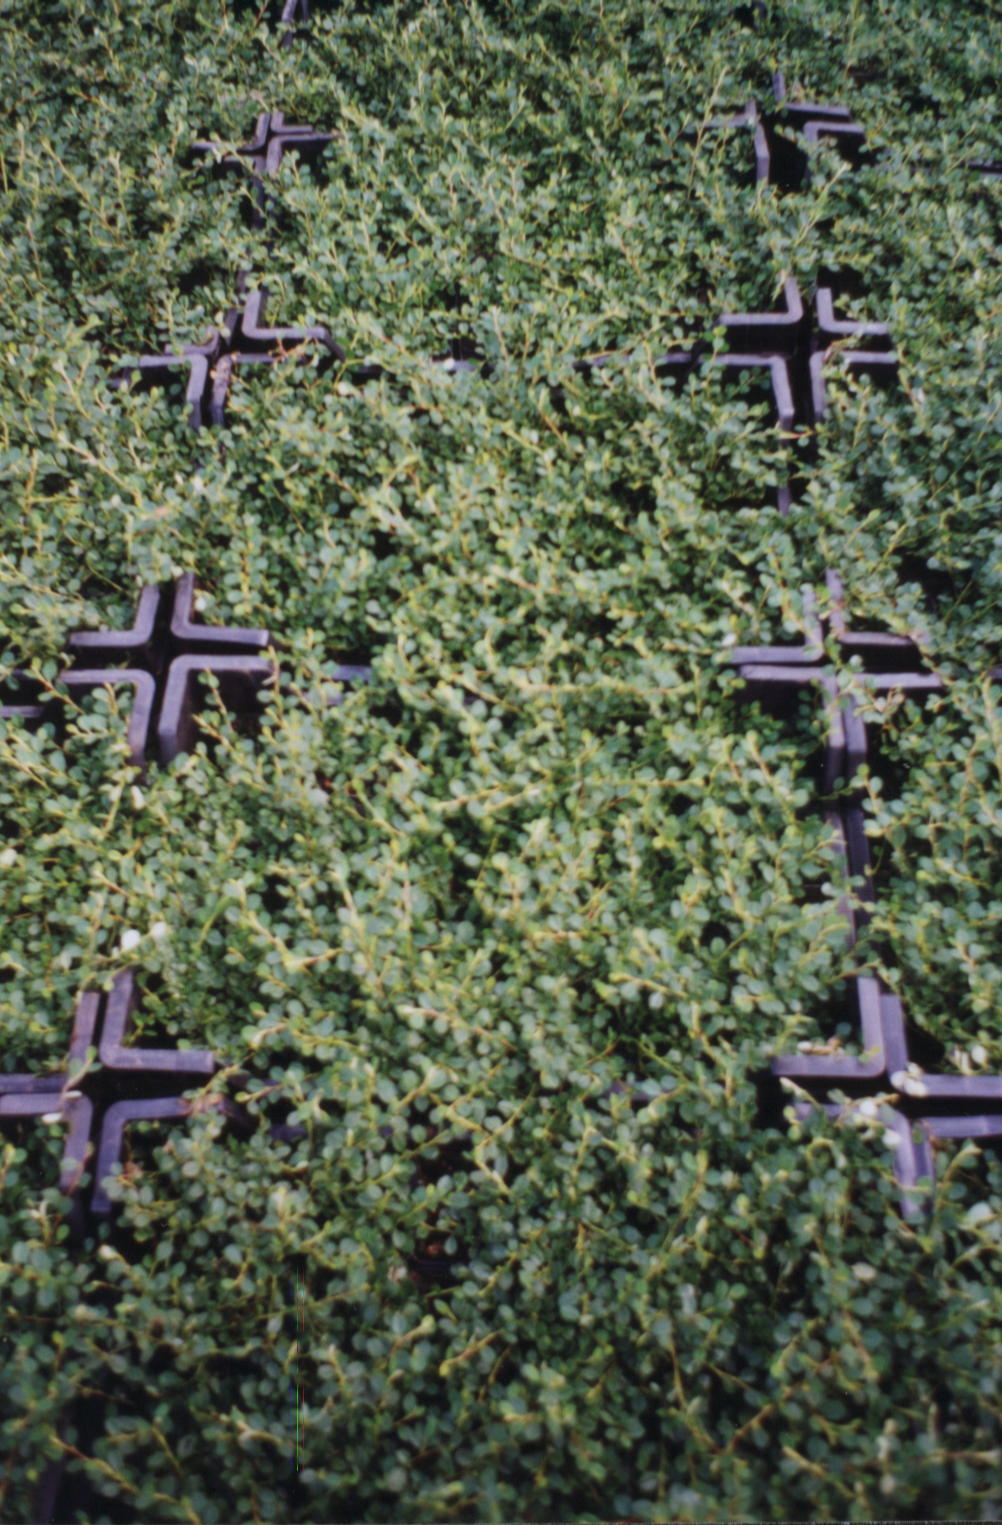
[130, 939]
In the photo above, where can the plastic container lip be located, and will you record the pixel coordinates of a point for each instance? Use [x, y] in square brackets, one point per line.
[174, 646]
[777, 680]
[810, 653]
[85, 680]
[831, 328]
[241, 677]
[153, 369]
[783, 326]
[882, 1039]
[875, 645]
[814, 131]
[913, 1161]
[748, 116]
[805, 110]
[248, 330]
[293, 11]
[75, 1110]
[136, 637]
[779, 376]
[882, 365]
[116, 1053]
[187, 631]
[112, 1132]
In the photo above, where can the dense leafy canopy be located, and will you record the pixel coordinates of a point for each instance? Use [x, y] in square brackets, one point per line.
[547, 849]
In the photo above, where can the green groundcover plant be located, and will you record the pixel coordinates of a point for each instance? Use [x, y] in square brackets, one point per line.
[550, 851]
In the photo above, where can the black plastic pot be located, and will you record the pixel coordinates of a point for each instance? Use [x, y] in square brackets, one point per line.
[776, 686]
[23, 698]
[987, 1125]
[188, 633]
[247, 341]
[240, 680]
[306, 142]
[881, 365]
[78, 682]
[249, 335]
[812, 121]
[96, 1102]
[76, 1113]
[117, 1119]
[748, 120]
[248, 162]
[888, 1062]
[882, 1038]
[920, 1088]
[799, 113]
[848, 826]
[847, 750]
[136, 641]
[86, 680]
[343, 677]
[295, 13]
[915, 1133]
[769, 333]
[57, 1097]
[260, 159]
[159, 370]
[788, 412]
[858, 859]
[833, 286]
[810, 654]
[880, 651]
[848, 137]
[913, 1161]
[116, 1053]
[779, 380]
[82, 1037]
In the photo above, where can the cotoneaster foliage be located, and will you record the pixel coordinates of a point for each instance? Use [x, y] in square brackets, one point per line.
[547, 851]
